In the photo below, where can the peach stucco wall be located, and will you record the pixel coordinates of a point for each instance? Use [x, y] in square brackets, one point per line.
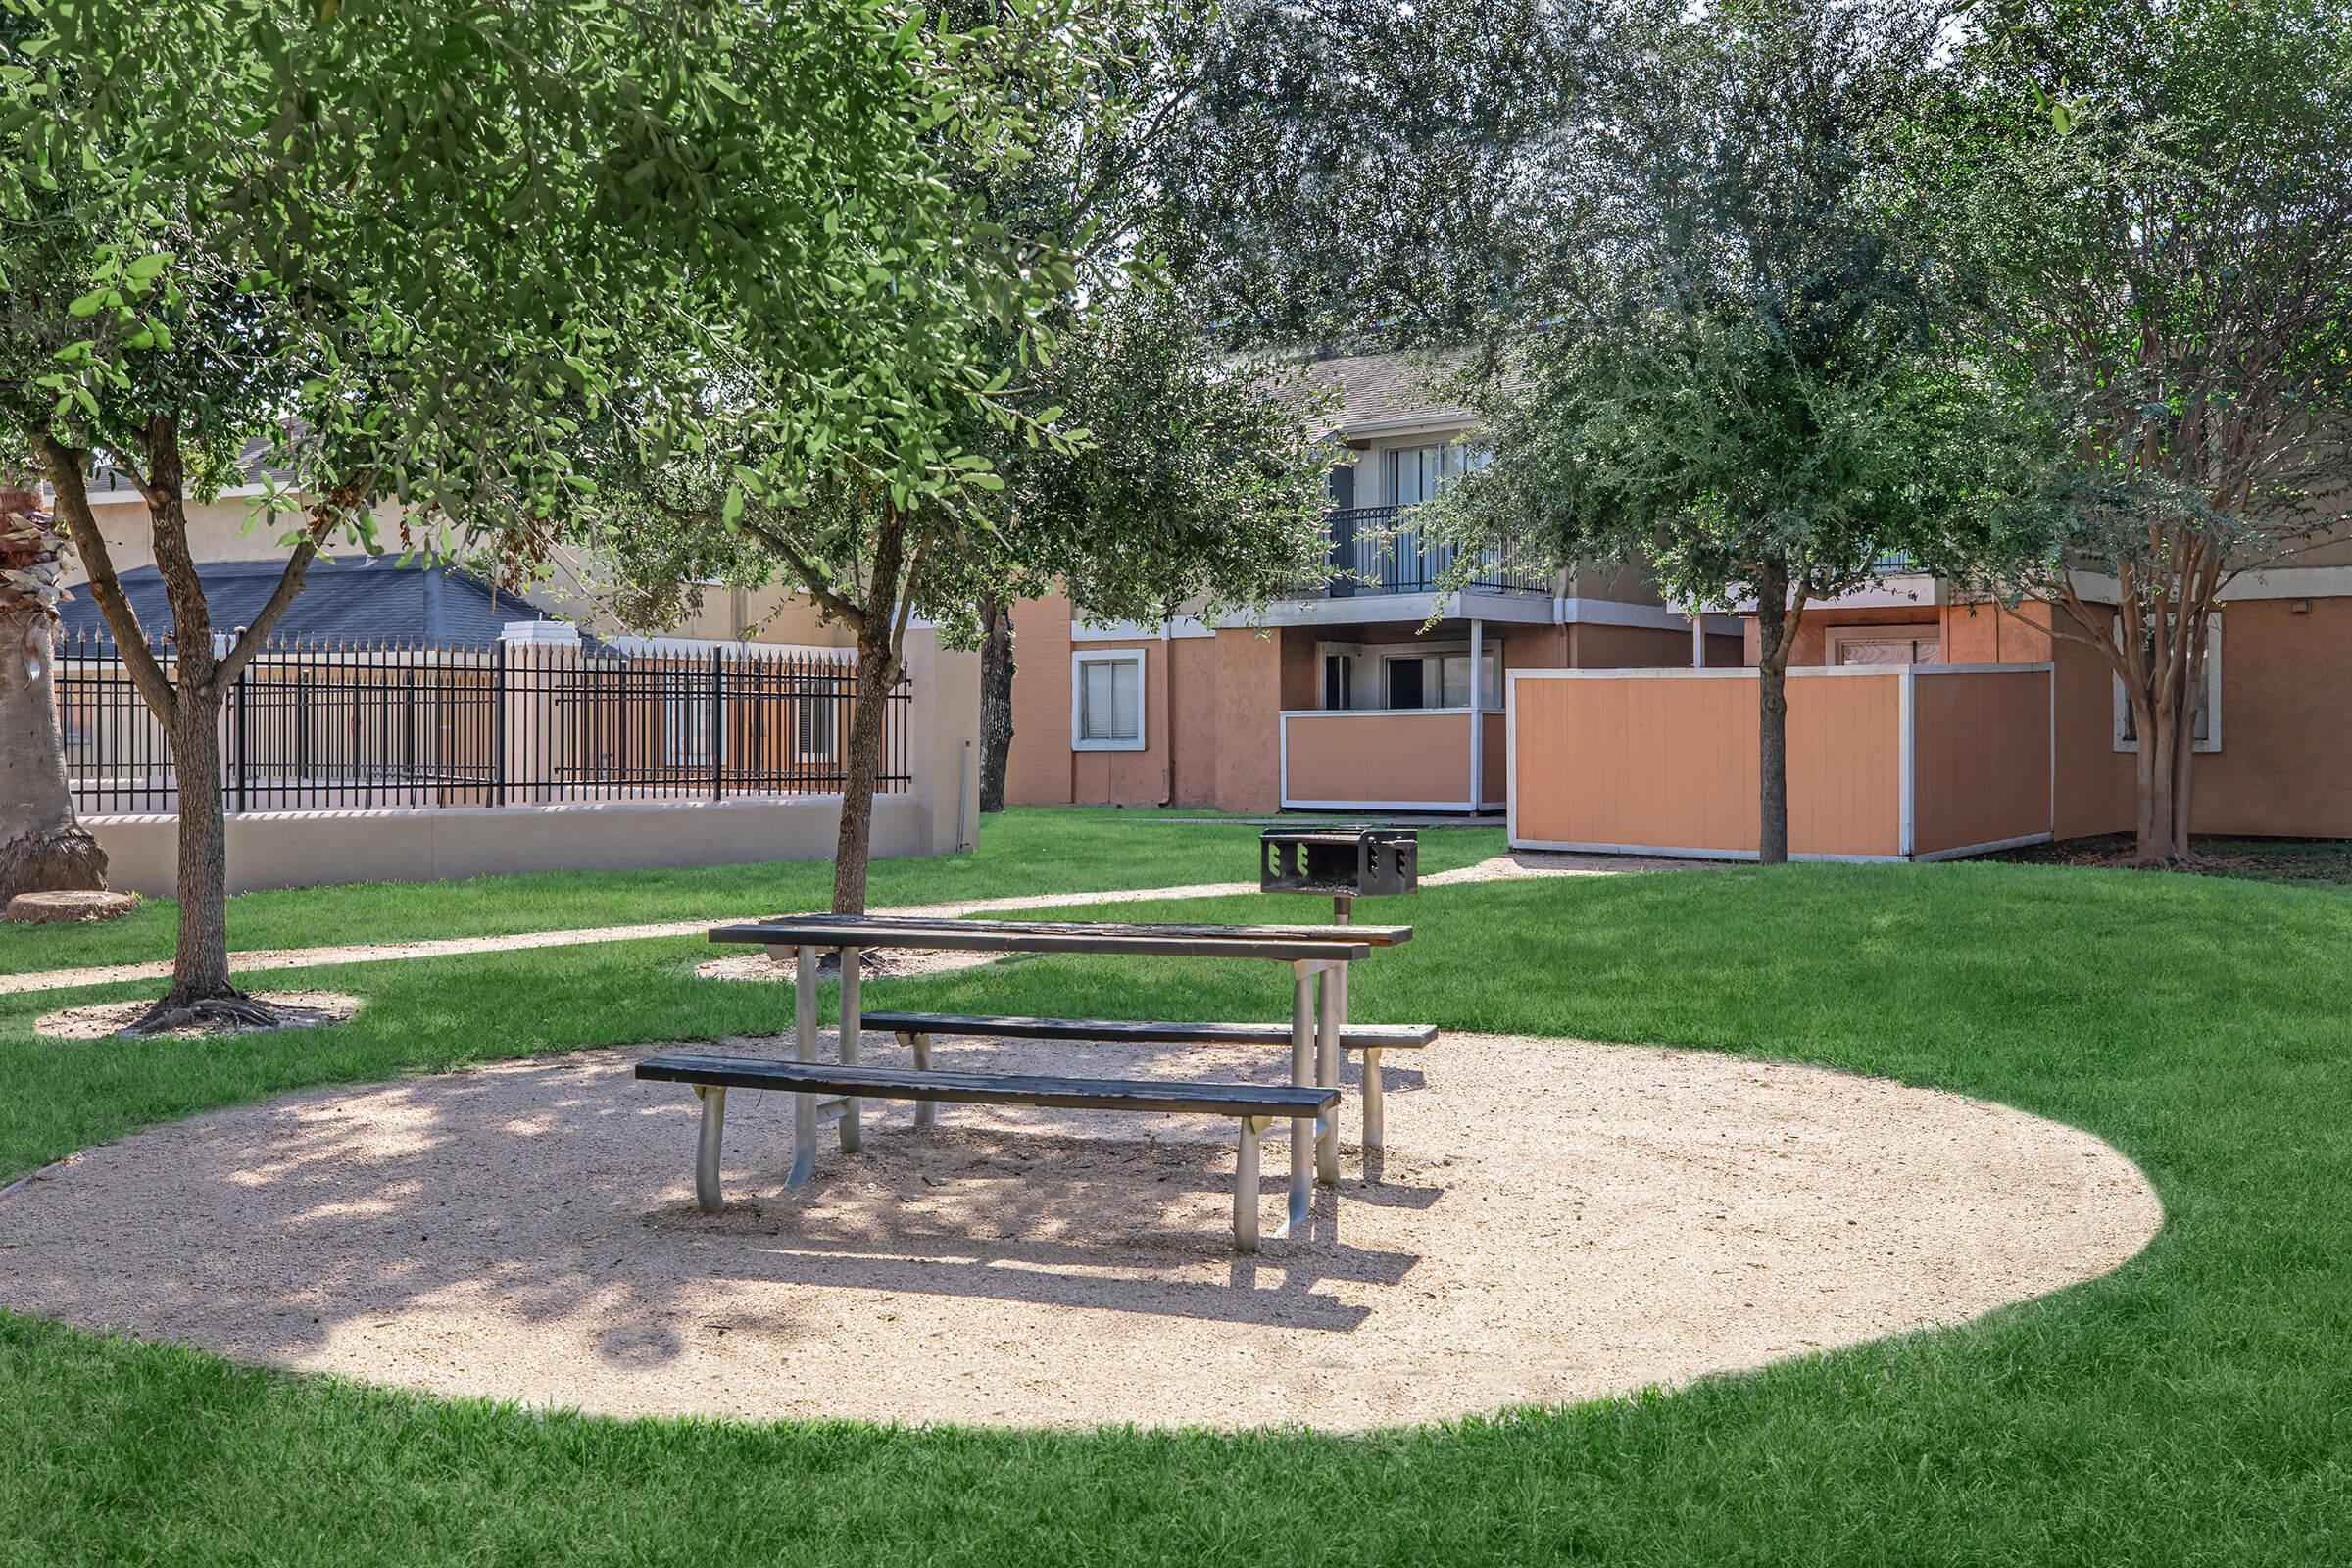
[1980, 756]
[1037, 765]
[1374, 757]
[1251, 682]
[1669, 761]
[2284, 768]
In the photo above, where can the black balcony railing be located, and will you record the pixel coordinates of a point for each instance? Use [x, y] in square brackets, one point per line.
[1381, 549]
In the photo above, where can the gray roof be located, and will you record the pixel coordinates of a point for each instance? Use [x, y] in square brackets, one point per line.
[1386, 389]
[370, 599]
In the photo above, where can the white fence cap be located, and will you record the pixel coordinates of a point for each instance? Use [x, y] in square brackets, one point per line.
[562, 632]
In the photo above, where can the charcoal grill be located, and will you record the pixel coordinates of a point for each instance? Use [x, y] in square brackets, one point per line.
[1347, 863]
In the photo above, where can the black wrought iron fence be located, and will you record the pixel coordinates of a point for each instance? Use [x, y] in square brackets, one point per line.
[316, 724]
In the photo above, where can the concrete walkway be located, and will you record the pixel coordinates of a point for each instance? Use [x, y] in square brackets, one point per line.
[1492, 870]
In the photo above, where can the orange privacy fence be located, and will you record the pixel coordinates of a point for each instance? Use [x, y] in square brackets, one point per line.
[1914, 763]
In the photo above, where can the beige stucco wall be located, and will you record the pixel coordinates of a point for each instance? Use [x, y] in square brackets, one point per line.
[304, 849]
[226, 530]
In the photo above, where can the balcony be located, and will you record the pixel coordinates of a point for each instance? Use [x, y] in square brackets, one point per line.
[1378, 549]
[1393, 759]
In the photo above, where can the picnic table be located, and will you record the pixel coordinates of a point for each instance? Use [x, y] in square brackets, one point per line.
[1318, 956]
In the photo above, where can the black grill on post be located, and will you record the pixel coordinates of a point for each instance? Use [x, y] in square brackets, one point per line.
[1347, 863]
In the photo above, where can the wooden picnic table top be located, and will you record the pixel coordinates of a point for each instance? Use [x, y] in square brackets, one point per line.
[1378, 936]
[1290, 944]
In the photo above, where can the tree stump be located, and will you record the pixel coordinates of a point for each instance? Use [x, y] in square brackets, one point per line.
[70, 904]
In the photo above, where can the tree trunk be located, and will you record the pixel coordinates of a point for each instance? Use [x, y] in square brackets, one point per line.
[1775, 631]
[879, 627]
[187, 699]
[996, 701]
[44, 845]
[2168, 728]
[200, 968]
[869, 720]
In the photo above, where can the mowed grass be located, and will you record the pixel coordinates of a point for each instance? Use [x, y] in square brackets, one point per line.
[1020, 852]
[2193, 1407]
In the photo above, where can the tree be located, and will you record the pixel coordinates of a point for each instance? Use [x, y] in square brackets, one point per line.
[43, 845]
[2157, 191]
[1199, 485]
[1000, 487]
[1747, 381]
[336, 230]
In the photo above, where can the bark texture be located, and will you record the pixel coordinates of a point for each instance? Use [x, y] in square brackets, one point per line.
[44, 845]
[881, 631]
[2157, 638]
[1775, 632]
[995, 702]
[186, 692]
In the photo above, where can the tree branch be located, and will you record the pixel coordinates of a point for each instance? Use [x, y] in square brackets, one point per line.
[819, 588]
[130, 638]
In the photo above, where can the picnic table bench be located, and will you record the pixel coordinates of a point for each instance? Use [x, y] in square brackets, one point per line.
[1253, 1106]
[1318, 956]
[915, 1029]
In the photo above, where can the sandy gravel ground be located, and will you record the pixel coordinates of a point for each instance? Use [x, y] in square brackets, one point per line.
[889, 964]
[1554, 1221]
[1499, 865]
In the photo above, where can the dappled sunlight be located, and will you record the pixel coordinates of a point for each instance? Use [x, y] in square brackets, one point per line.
[1551, 1221]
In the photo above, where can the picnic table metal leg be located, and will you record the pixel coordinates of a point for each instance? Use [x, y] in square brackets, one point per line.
[926, 1111]
[803, 1049]
[1302, 1071]
[1327, 1072]
[853, 1134]
[706, 1195]
[1376, 1126]
[1245, 1185]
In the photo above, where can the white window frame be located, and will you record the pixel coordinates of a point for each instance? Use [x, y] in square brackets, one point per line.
[1433, 677]
[1079, 660]
[2211, 741]
[1835, 638]
[685, 689]
[819, 707]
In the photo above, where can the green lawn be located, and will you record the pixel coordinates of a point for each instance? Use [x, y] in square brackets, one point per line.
[2193, 1407]
[1021, 852]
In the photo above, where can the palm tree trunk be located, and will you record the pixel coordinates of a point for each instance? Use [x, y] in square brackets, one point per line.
[44, 845]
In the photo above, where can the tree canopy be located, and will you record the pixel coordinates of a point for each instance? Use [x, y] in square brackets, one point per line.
[2155, 193]
[419, 247]
[1747, 377]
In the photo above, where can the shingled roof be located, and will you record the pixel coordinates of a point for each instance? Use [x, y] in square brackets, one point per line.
[1377, 390]
[372, 599]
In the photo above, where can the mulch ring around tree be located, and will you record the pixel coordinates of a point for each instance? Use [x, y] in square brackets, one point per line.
[295, 1009]
[2316, 860]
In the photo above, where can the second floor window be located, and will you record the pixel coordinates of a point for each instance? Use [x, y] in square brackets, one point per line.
[1416, 473]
